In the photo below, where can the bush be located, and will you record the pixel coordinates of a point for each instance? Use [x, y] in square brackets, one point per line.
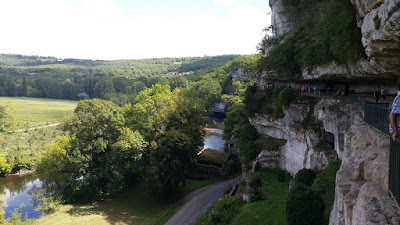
[224, 211]
[255, 184]
[249, 100]
[282, 176]
[304, 206]
[232, 166]
[248, 133]
[286, 96]
[235, 117]
[324, 184]
[305, 177]
[282, 98]
[249, 150]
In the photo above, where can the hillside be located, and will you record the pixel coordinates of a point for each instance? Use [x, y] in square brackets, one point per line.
[37, 65]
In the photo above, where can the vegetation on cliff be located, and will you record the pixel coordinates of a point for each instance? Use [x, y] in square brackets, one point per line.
[325, 31]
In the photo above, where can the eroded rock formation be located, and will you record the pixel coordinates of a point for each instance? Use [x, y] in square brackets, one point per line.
[299, 151]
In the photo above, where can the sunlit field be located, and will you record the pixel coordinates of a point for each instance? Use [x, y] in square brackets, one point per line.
[34, 112]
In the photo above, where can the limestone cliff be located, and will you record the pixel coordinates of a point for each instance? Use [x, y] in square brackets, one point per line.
[299, 151]
[379, 21]
[361, 193]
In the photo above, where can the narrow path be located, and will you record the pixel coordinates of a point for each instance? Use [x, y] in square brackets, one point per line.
[33, 128]
[199, 201]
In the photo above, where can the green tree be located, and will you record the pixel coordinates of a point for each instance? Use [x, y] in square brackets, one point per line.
[100, 149]
[304, 206]
[150, 112]
[103, 87]
[305, 176]
[171, 155]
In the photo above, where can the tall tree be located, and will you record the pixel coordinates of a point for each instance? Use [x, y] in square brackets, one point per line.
[99, 151]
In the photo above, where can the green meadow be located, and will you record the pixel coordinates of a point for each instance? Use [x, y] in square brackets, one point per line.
[23, 146]
[34, 112]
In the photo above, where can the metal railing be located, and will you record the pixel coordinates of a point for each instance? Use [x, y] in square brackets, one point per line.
[394, 169]
[377, 115]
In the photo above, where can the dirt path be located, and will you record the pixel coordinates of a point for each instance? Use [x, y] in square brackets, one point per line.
[198, 202]
[33, 128]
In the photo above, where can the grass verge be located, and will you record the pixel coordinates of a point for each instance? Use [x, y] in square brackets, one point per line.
[271, 210]
[133, 206]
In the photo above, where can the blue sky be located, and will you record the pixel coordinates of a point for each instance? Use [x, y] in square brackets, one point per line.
[131, 29]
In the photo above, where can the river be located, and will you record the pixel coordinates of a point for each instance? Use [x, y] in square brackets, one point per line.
[14, 191]
[213, 138]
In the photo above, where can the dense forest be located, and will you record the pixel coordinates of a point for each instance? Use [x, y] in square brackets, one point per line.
[119, 81]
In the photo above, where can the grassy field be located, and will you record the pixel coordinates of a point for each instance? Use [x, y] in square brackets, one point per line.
[270, 211]
[22, 147]
[33, 112]
[133, 206]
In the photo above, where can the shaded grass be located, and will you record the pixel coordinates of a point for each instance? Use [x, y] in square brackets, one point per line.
[270, 211]
[133, 206]
[214, 156]
[33, 112]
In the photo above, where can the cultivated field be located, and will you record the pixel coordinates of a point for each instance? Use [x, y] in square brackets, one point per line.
[34, 112]
[23, 146]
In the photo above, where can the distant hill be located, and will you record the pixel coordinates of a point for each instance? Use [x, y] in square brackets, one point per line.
[22, 64]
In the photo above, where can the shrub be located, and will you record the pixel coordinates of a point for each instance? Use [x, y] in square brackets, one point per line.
[248, 133]
[281, 58]
[224, 211]
[305, 177]
[255, 184]
[324, 184]
[337, 107]
[304, 206]
[235, 117]
[286, 96]
[249, 150]
[282, 176]
[250, 96]
[231, 167]
[282, 99]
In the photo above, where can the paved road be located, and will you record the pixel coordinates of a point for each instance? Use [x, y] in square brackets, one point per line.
[199, 201]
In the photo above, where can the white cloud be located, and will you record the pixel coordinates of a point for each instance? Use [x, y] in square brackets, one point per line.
[100, 29]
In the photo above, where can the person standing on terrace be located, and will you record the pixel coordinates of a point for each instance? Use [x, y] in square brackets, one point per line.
[394, 115]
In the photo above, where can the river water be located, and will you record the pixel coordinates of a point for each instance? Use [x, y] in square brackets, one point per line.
[14, 191]
[213, 138]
